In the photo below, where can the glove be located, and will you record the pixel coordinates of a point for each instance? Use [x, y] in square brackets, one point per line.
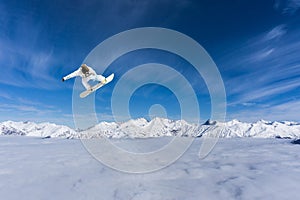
[62, 79]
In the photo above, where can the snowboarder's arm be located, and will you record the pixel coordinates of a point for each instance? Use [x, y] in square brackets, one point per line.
[72, 75]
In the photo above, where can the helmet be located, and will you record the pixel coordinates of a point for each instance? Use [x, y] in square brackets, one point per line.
[84, 69]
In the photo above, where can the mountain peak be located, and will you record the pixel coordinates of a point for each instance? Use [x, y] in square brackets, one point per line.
[210, 122]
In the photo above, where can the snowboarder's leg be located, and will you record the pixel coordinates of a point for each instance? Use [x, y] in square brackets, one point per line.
[85, 83]
[100, 78]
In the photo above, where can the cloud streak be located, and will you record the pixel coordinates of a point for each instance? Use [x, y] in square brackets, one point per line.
[276, 33]
[25, 66]
[266, 70]
[284, 111]
[287, 7]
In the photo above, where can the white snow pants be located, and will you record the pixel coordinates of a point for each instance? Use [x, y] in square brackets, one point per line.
[85, 80]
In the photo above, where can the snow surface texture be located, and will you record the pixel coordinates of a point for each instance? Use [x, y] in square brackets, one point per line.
[237, 168]
[158, 127]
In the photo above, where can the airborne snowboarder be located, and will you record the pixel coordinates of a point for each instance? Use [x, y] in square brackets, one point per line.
[87, 73]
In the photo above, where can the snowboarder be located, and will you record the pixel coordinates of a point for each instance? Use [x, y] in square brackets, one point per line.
[87, 74]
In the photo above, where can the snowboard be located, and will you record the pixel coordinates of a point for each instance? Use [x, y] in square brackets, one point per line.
[97, 86]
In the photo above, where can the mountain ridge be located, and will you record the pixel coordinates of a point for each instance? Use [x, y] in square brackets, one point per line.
[157, 127]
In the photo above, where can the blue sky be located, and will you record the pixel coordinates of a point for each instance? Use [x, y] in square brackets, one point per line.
[255, 45]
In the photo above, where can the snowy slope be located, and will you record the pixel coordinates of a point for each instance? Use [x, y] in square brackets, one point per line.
[158, 127]
[260, 129]
[37, 130]
[141, 128]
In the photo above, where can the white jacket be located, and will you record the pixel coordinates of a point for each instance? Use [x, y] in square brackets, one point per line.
[91, 75]
[78, 72]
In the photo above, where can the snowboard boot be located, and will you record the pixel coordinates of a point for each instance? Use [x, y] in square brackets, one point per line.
[103, 81]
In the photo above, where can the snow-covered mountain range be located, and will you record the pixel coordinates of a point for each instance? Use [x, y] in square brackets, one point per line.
[158, 127]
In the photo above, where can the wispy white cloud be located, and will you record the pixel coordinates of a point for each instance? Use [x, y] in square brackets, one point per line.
[265, 77]
[5, 96]
[26, 54]
[20, 108]
[32, 74]
[264, 63]
[13, 105]
[276, 33]
[259, 55]
[288, 7]
[134, 12]
[266, 92]
[30, 102]
[24, 110]
[248, 104]
[284, 111]
[260, 48]
[106, 117]
[26, 67]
